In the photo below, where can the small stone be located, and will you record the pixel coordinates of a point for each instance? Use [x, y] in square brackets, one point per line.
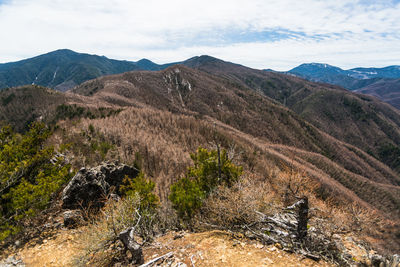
[178, 236]
[115, 197]
[72, 218]
[259, 246]
[268, 260]
[336, 236]
[12, 261]
[349, 239]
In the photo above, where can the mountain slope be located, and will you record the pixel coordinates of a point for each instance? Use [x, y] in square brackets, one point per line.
[64, 69]
[390, 72]
[19, 106]
[355, 119]
[385, 89]
[182, 90]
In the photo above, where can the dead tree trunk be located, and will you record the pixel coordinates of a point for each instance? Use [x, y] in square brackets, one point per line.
[302, 219]
[130, 244]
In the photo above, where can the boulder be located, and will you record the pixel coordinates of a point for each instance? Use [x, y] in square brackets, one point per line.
[90, 186]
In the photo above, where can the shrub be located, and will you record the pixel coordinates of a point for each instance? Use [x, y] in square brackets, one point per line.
[143, 187]
[232, 207]
[30, 174]
[100, 244]
[186, 197]
[103, 233]
[206, 169]
[209, 171]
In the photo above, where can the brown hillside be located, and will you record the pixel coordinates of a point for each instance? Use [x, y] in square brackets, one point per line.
[204, 97]
[360, 120]
[20, 106]
[164, 140]
[385, 89]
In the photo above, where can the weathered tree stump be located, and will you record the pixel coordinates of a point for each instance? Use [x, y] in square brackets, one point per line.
[302, 219]
[130, 244]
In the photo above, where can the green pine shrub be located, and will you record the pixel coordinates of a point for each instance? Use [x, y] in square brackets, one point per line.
[30, 175]
[186, 197]
[188, 193]
[144, 188]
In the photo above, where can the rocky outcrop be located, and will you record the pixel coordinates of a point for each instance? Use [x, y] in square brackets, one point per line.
[90, 186]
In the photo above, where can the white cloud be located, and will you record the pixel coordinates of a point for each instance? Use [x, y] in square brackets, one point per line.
[350, 33]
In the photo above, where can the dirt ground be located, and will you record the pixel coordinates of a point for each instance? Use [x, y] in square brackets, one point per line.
[213, 248]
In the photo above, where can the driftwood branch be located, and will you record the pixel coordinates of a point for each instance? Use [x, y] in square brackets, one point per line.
[191, 260]
[169, 254]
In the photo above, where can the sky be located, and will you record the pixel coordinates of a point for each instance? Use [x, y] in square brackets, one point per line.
[275, 34]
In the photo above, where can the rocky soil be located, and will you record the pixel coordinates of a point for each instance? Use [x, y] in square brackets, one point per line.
[213, 248]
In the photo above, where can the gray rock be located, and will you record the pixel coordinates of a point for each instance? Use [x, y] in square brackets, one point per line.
[12, 261]
[377, 261]
[395, 261]
[72, 218]
[90, 186]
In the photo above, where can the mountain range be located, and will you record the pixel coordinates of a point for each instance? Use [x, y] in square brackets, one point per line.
[345, 78]
[64, 69]
[379, 82]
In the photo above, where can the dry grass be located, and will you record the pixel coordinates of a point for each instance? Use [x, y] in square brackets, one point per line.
[231, 208]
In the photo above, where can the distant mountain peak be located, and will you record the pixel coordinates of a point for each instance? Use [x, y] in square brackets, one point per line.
[63, 51]
[203, 59]
[63, 69]
[318, 65]
[145, 60]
